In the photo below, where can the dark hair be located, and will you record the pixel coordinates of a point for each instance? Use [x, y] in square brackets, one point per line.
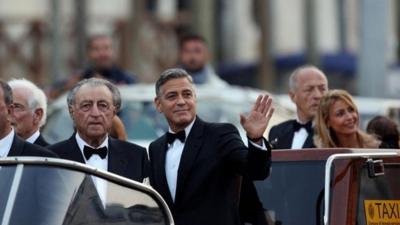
[7, 93]
[92, 38]
[169, 74]
[385, 130]
[191, 37]
[95, 82]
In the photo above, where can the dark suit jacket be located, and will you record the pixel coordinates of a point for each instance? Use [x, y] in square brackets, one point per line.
[41, 141]
[281, 136]
[125, 159]
[213, 156]
[31, 184]
[20, 147]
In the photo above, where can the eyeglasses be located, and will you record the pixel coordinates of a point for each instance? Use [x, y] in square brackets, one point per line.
[102, 106]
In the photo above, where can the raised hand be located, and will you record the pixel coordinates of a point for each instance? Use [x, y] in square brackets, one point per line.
[256, 122]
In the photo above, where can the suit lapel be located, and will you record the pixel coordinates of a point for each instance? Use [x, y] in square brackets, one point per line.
[40, 141]
[117, 162]
[287, 138]
[158, 163]
[17, 147]
[72, 150]
[309, 143]
[189, 154]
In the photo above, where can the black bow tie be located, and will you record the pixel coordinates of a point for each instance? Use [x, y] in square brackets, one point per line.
[180, 136]
[297, 126]
[89, 151]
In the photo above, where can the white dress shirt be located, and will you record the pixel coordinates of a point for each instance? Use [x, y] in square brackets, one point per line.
[299, 137]
[5, 144]
[172, 160]
[97, 162]
[33, 138]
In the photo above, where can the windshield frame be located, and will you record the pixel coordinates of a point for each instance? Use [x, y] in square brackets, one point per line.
[76, 166]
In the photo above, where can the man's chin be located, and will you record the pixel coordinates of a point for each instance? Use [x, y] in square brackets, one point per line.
[193, 70]
[183, 122]
[96, 134]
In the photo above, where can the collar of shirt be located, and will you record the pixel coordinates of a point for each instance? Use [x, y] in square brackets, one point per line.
[299, 138]
[187, 130]
[5, 144]
[33, 138]
[82, 143]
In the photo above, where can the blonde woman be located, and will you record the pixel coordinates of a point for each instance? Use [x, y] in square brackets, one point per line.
[337, 123]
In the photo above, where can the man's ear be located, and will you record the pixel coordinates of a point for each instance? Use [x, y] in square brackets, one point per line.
[10, 110]
[70, 110]
[37, 115]
[292, 96]
[157, 103]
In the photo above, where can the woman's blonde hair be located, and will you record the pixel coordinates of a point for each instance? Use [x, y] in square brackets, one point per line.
[325, 137]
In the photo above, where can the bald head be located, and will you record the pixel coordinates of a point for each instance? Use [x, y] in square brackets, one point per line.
[305, 73]
[307, 84]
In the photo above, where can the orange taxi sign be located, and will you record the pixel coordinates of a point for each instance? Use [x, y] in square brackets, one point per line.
[382, 212]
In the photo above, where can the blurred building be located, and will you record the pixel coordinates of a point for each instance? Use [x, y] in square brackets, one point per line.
[254, 42]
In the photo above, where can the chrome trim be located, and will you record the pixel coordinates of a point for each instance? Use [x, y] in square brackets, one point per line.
[92, 170]
[328, 167]
[13, 194]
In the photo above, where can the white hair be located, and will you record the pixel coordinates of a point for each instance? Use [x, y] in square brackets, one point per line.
[37, 99]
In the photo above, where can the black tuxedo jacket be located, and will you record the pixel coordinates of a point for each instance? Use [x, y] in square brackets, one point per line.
[32, 186]
[213, 156]
[125, 159]
[41, 141]
[20, 147]
[281, 136]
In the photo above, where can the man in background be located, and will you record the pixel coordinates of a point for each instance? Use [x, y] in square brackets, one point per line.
[101, 62]
[307, 84]
[10, 143]
[30, 110]
[194, 58]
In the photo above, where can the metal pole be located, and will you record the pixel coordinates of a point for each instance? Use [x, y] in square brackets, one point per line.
[203, 12]
[266, 74]
[372, 64]
[311, 41]
[80, 32]
[342, 25]
[56, 51]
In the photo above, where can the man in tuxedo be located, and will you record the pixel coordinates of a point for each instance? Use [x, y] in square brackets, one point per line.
[307, 84]
[30, 111]
[11, 146]
[196, 164]
[92, 104]
[10, 143]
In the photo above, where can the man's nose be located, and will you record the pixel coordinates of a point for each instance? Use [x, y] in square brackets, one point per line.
[318, 93]
[95, 111]
[180, 100]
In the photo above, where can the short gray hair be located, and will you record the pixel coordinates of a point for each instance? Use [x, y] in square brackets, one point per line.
[37, 98]
[96, 82]
[7, 93]
[170, 74]
[293, 76]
